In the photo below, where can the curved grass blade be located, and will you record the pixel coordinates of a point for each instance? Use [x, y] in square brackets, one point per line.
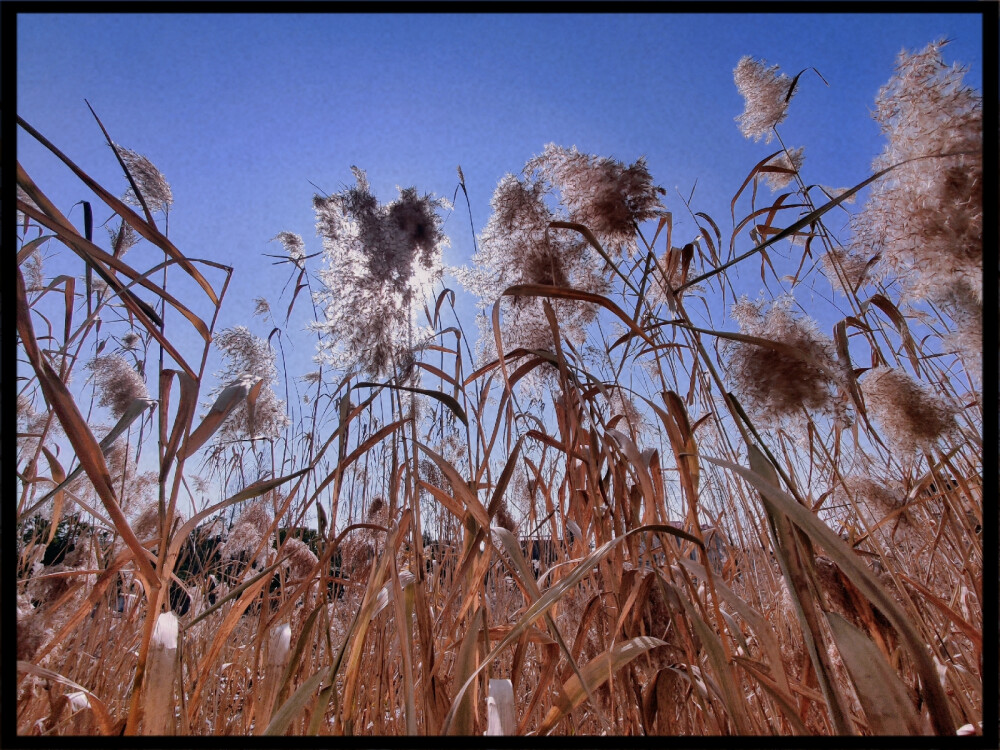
[560, 292]
[884, 698]
[594, 674]
[444, 398]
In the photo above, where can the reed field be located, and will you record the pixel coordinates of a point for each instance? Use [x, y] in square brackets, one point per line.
[622, 500]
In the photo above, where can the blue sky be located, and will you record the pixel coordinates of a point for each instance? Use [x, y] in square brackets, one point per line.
[242, 112]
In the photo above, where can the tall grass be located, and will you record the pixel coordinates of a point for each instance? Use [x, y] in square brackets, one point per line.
[745, 521]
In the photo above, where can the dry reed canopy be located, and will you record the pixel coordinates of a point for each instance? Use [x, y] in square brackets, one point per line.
[474, 556]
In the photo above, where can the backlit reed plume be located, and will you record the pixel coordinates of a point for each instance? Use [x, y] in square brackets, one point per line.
[926, 217]
[766, 97]
[772, 384]
[875, 498]
[845, 269]
[247, 532]
[380, 261]
[606, 196]
[793, 160]
[912, 418]
[251, 356]
[122, 239]
[301, 560]
[33, 269]
[518, 246]
[293, 244]
[117, 382]
[152, 184]
[966, 337]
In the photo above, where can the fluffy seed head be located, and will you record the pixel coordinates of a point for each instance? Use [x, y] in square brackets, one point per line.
[875, 498]
[765, 94]
[926, 217]
[772, 384]
[380, 260]
[301, 560]
[247, 532]
[118, 382]
[966, 338]
[605, 195]
[518, 247]
[845, 270]
[788, 160]
[151, 183]
[122, 239]
[910, 415]
[251, 357]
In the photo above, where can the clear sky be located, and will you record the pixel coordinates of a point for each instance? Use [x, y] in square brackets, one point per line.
[241, 112]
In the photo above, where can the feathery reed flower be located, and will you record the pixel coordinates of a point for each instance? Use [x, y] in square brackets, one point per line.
[301, 560]
[31, 632]
[518, 247]
[261, 306]
[788, 160]
[912, 417]
[152, 184]
[250, 356]
[967, 337]
[926, 217]
[34, 275]
[380, 260]
[131, 340]
[604, 195]
[118, 382]
[766, 97]
[771, 384]
[875, 498]
[247, 532]
[293, 244]
[504, 519]
[122, 239]
[845, 269]
[25, 198]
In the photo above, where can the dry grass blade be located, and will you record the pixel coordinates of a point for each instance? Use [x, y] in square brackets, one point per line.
[884, 697]
[361, 624]
[98, 706]
[444, 398]
[734, 701]
[811, 218]
[500, 719]
[183, 417]
[559, 292]
[764, 631]
[848, 562]
[464, 708]
[799, 573]
[460, 487]
[232, 396]
[594, 674]
[136, 408]
[892, 312]
[554, 593]
[77, 431]
[57, 495]
[120, 208]
[278, 651]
